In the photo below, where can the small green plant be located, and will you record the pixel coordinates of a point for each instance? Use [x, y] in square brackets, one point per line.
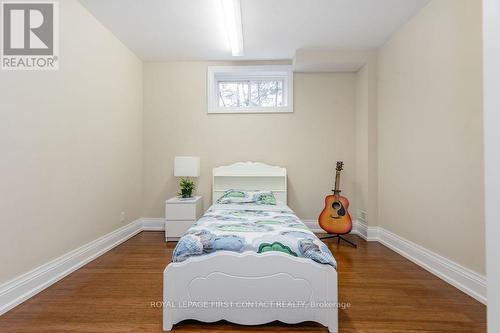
[187, 187]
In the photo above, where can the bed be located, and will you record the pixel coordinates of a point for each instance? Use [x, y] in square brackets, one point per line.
[276, 281]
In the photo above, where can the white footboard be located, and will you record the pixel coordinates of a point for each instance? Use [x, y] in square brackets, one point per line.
[250, 289]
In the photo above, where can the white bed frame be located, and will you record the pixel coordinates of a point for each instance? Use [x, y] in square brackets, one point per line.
[249, 176]
[249, 288]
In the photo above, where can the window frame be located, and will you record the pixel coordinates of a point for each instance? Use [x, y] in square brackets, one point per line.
[245, 73]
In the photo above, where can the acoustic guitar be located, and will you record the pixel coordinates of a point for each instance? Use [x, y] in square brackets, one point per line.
[335, 218]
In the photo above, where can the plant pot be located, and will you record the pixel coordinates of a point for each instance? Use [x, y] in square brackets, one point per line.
[186, 193]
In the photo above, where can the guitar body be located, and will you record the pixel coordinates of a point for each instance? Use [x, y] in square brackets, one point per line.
[335, 218]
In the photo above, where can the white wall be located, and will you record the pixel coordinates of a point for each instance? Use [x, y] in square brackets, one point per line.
[363, 63]
[306, 142]
[71, 146]
[430, 132]
[491, 40]
[366, 178]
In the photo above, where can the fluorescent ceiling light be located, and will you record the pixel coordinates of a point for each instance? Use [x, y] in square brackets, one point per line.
[231, 10]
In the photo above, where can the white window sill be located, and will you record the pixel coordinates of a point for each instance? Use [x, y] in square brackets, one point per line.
[251, 110]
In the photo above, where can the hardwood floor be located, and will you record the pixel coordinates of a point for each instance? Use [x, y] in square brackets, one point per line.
[114, 293]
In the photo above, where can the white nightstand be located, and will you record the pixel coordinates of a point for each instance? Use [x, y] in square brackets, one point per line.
[180, 214]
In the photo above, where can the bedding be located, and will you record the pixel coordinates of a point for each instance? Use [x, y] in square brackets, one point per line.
[251, 227]
[246, 197]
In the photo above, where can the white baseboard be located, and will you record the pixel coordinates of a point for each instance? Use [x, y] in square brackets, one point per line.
[17, 290]
[468, 281]
[358, 228]
[153, 224]
[313, 226]
[370, 234]
[462, 278]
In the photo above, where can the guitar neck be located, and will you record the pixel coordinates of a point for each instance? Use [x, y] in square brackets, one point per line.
[336, 191]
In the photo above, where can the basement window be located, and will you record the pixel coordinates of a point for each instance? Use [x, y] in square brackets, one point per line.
[250, 89]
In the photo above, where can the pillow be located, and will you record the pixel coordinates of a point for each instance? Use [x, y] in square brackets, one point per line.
[247, 197]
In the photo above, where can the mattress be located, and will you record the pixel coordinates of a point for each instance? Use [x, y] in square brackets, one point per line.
[250, 227]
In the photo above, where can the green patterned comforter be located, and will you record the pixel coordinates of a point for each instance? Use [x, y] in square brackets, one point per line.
[256, 228]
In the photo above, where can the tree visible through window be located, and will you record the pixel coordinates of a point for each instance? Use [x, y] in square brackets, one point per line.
[250, 89]
[263, 93]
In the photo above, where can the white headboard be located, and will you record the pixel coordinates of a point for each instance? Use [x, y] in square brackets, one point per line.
[249, 176]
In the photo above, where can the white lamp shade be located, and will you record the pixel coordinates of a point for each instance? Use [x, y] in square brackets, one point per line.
[187, 166]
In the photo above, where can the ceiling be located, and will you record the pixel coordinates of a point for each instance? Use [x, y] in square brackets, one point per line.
[158, 30]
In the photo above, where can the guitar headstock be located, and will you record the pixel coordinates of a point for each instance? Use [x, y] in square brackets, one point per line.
[340, 166]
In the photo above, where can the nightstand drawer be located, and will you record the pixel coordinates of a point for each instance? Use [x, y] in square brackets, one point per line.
[176, 228]
[180, 215]
[183, 210]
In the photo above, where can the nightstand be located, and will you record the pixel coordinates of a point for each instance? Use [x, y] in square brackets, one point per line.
[180, 214]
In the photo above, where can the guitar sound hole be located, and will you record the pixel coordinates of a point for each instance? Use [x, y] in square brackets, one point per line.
[339, 208]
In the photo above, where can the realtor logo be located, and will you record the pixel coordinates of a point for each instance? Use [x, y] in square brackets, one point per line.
[30, 35]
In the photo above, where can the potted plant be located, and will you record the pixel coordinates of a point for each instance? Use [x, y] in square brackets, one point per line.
[187, 187]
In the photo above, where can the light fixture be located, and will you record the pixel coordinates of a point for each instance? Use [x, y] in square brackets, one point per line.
[231, 11]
